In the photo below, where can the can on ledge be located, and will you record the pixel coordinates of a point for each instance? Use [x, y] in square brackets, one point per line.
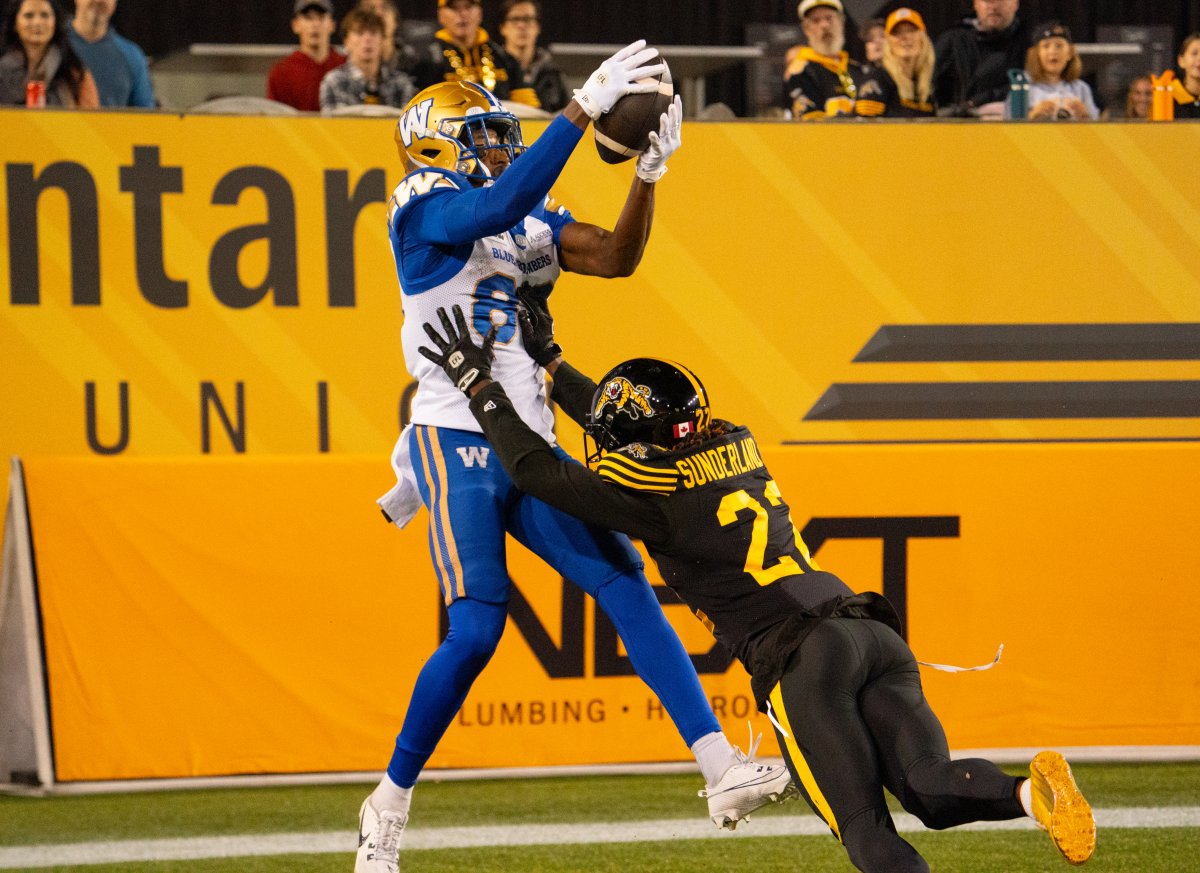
[35, 94]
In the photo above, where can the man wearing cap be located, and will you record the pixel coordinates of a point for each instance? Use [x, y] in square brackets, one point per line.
[296, 80]
[821, 80]
[463, 51]
[973, 60]
[901, 84]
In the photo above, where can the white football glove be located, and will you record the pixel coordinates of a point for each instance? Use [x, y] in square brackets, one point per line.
[617, 77]
[652, 163]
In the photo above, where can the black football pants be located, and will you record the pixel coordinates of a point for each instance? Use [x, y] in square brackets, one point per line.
[855, 721]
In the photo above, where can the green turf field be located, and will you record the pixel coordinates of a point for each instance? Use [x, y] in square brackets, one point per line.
[47, 822]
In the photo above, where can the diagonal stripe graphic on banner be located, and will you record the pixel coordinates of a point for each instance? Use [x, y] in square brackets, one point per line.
[938, 401]
[1032, 342]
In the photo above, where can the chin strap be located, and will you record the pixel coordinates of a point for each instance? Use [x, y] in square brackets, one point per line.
[948, 668]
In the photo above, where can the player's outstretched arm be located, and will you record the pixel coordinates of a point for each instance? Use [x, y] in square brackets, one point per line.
[594, 251]
[476, 213]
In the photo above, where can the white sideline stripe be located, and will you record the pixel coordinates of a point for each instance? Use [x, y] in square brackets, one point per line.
[369, 778]
[418, 839]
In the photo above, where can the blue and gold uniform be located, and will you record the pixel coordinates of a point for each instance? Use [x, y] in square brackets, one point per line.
[464, 238]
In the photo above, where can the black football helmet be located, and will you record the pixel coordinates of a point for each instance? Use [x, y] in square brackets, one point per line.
[646, 400]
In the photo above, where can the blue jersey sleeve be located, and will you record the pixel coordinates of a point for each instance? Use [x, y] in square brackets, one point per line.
[454, 217]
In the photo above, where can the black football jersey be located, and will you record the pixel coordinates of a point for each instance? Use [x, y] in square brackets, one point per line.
[711, 517]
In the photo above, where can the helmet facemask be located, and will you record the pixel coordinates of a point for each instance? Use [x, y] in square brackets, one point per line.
[482, 133]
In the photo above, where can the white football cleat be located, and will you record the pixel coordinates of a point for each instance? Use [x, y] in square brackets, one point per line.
[379, 840]
[745, 787]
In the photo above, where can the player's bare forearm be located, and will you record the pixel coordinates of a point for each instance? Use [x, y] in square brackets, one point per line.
[616, 253]
[574, 113]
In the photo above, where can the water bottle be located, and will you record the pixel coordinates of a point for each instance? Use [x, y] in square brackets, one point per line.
[1018, 95]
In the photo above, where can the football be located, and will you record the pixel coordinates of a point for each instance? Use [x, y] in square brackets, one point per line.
[624, 131]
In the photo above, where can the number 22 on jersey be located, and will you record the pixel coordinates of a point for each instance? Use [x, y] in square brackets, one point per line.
[737, 502]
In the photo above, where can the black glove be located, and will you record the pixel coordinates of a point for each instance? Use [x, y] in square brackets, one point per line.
[537, 326]
[464, 362]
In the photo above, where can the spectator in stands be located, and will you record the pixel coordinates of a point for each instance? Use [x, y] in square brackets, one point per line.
[1186, 87]
[973, 60]
[35, 48]
[396, 52]
[296, 80]
[363, 79]
[1139, 98]
[462, 50]
[520, 25]
[873, 35]
[821, 81]
[1054, 68]
[902, 85]
[119, 67]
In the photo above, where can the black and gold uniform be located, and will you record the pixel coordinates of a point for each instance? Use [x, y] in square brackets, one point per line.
[818, 86]
[829, 666]
[1187, 104]
[485, 63]
[879, 97]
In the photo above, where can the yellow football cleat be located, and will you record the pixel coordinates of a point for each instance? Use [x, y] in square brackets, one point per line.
[1060, 807]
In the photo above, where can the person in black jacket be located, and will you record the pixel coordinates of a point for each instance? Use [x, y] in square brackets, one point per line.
[827, 665]
[971, 74]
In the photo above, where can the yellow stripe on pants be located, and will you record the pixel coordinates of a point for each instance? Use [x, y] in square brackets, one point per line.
[801, 766]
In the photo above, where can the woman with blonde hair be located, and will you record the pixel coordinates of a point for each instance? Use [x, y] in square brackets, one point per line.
[902, 85]
[1139, 98]
[1054, 68]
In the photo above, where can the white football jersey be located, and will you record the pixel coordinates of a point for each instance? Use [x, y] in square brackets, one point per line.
[481, 277]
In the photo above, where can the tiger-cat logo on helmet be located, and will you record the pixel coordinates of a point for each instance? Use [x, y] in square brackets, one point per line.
[623, 394]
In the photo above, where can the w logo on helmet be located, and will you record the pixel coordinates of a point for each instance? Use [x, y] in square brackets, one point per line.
[624, 395]
[414, 121]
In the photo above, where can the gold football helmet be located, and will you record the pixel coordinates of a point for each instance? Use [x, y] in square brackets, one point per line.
[450, 124]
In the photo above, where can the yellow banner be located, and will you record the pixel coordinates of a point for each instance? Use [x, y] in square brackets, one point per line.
[177, 285]
[220, 292]
[217, 616]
